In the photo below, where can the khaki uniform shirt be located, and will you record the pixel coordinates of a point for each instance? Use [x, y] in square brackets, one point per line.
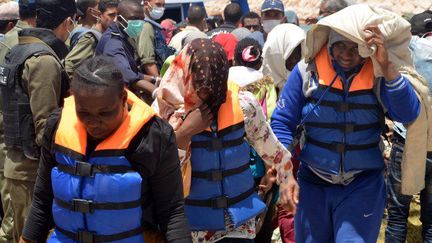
[84, 49]
[145, 46]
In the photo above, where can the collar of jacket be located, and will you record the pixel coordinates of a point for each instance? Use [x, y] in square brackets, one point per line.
[48, 37]
[153, 23]
[115, 29]
[22, 25]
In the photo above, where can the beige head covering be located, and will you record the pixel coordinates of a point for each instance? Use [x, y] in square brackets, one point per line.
[281, 42]
[9, 11]
[350, 23]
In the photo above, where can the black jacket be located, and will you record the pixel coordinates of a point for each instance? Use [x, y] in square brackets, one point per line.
[152, 153]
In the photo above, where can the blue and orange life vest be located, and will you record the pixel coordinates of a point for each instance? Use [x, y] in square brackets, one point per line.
[221, 178]
[97, 195]
[343, 132]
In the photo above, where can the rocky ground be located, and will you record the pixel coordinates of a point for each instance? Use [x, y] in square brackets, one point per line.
[306, 8]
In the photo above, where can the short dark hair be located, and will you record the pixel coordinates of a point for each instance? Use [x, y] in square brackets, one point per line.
[250, 15]
[232, 13]
[4, 23]
[334, 6]
[83, 5]
[126, 5]
[27, 9]
[98, 72]
[105, 4]
[196, 14]
[256, 50]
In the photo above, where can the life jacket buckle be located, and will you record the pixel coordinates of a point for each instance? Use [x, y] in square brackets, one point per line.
[86, 237]
[216, 175]
[349, 128]
[82, 206]
[220, 202]
[216, 144]
[83, 169]
[343, 107]
[339, 147]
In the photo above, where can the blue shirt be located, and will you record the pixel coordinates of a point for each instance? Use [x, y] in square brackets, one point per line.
[115, 43]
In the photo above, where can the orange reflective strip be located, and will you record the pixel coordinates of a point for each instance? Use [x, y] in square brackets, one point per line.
[364, 80]
[139, 115]
[76, 138]
[71, 133]
[230, 112]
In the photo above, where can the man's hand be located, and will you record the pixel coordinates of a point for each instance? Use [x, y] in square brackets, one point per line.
[311, 20]
[289, 195]
[145, 86]
[375, 39]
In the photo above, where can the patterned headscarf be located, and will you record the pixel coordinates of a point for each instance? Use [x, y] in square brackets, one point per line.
[200, 69]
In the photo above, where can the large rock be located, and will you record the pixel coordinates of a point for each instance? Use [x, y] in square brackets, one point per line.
[306, 8]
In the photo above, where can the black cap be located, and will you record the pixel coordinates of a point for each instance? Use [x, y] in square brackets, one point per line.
[421, 23]
[51, 13]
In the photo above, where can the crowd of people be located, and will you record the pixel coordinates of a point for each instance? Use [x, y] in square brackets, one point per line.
[121, 126]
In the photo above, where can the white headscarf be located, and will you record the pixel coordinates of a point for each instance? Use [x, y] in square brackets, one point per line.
[281, 42]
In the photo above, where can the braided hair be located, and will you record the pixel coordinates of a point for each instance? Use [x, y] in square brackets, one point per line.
[97, 73]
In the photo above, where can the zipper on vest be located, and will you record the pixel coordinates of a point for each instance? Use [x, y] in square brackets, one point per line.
[346, 85]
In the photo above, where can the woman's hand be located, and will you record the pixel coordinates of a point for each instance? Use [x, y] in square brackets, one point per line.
[194, 122]
[267, 180]
[289, 195]
[376, 39]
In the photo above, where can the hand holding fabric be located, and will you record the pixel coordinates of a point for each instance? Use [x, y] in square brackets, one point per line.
[375, 39]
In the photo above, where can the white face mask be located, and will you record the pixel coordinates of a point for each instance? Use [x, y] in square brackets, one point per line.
[268, 25]
[156, 12]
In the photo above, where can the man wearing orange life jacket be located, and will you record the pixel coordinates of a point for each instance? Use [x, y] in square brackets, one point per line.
[108, 165]
[342, 194]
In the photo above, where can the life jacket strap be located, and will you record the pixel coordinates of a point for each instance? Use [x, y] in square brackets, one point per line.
[90, 237]
[88, 206]
[345, 107]
[220, 202]
[217, 144]
[218, 175]
[341, 147]
[344, 127]
[89, 170]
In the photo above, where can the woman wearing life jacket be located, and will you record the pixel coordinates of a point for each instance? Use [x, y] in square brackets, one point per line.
[109, 166]
[340, 102]
[246, 73]
[215, 123]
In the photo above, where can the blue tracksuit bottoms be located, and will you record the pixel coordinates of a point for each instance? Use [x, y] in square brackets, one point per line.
[337, 213]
